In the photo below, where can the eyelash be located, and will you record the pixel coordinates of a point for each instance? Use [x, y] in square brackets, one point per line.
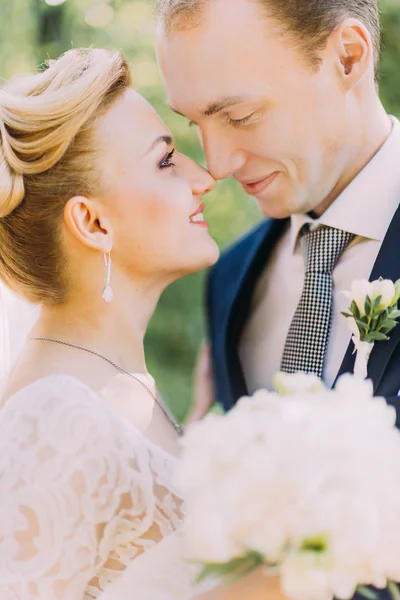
[165, 163]
[240, 122]
[232, 122]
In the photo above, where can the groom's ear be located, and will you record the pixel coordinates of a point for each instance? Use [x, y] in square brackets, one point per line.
[353, 48]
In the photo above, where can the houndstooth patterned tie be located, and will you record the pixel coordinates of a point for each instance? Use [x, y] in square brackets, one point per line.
[308, 335]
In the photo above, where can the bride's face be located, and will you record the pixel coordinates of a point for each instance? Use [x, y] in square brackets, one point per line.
[150, 194]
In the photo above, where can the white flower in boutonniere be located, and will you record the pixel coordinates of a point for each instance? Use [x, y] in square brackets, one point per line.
[373, 313]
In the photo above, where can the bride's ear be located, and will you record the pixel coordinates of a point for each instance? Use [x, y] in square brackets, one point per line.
[86, 222]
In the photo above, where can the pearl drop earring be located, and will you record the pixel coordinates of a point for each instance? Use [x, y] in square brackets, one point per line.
[108, 293]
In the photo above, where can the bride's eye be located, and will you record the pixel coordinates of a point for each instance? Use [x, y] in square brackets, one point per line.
[166, 161]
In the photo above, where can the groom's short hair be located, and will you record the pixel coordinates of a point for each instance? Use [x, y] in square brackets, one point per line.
[309, 21]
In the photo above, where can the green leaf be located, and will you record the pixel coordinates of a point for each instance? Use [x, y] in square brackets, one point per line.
[382, 317]
[389, 324]
[363, 327]
[375, 323]
[234, 569]
[394, 313]
[354, 310]
[376, 336]
[381, 311]
[317, 544]
[218, 570]
[347, 315]
[367, 592]
[393, 589]
[377, 302]
[368, 305]
[397, 293]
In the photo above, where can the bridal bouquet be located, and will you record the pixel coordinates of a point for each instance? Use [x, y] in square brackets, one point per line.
[304, 482]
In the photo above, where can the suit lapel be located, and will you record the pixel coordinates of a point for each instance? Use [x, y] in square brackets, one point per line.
[241, 294]
[387, 265]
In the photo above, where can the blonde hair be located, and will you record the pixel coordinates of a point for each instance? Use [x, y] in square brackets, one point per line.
[48, 154]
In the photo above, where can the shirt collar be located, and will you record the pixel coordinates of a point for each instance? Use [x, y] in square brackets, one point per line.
[366, 207]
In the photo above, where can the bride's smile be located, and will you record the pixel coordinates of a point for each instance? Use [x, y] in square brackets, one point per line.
[198, 218]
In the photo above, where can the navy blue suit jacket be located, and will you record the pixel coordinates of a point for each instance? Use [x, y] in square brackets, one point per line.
[231, 284]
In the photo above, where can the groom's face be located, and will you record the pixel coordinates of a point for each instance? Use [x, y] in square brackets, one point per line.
[264, 116]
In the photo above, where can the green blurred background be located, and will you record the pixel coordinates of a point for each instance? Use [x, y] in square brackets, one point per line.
[33, 30]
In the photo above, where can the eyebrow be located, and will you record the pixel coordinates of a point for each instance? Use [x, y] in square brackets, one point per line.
[167, 139]
[216, 107]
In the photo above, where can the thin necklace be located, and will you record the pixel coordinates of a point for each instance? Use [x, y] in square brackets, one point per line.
[163, 407]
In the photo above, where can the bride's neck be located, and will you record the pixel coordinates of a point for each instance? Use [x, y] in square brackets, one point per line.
[115, 330]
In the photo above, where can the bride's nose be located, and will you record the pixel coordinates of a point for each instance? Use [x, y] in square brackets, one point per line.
[199, 178]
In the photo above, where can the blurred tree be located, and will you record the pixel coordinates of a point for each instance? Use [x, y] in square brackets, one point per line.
[33, 30]
[390, 65]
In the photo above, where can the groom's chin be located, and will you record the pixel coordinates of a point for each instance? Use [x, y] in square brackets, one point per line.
[279, 209]
[278, 200]
[282, 205]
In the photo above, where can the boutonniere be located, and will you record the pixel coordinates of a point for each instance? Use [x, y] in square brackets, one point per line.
[372, 315]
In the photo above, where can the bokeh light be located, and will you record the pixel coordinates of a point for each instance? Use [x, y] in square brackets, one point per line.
[99, 15]
[54, 2]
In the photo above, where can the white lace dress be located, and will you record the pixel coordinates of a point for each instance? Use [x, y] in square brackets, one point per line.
[88, 508]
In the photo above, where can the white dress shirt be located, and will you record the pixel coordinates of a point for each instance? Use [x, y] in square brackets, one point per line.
[365, 208]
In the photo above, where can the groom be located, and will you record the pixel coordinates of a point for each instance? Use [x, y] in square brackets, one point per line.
[283, 95]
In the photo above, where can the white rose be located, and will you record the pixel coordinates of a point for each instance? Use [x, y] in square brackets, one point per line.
[348, 385]
[386, 289]
[362, 288]
[208, 539]
[302, 580]
[297, 383]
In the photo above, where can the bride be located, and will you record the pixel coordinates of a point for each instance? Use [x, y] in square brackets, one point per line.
[98, 214]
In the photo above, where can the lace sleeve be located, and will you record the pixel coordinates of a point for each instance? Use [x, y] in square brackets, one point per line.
[81, 493]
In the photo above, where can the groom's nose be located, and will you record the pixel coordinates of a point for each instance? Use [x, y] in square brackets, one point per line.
[222, 156]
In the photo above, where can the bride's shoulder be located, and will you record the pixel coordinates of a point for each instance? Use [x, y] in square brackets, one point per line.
[51, 393]
[64, 407]
[59, 420]
[62, 415]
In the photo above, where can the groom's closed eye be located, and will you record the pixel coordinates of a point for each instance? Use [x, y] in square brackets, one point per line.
[232, 106]
[251, 119]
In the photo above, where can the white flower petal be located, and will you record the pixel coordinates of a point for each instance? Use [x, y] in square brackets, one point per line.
[360, 289]
[351, 322]
[386, 289]
[286, 384]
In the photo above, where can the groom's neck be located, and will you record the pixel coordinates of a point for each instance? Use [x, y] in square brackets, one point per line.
[375, 127]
